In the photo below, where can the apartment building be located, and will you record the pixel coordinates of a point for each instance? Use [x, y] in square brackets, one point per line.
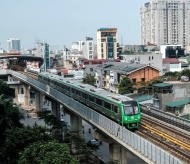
[88, 48]
[13, 45]
[165, 22]
[107, 43]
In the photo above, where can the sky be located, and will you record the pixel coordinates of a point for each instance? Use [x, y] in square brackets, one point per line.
[62, 22]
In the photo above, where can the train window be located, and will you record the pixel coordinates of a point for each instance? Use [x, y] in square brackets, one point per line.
[68, 88]
[107, 105]
[91, 98]
[73, 90]
[115, 109]
[98, 101]
[84, 95]
[78, 92]
[63, 86]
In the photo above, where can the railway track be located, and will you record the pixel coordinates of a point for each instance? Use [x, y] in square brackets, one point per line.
[170, 138]
[29, 74]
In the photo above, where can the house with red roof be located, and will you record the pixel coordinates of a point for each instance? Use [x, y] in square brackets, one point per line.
[171, 65]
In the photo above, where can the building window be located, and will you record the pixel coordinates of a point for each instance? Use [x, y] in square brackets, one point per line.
[149, 58]
[142, 79]
[134, 81]
[91, 69]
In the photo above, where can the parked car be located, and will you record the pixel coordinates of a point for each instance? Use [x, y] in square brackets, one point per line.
[93, 143]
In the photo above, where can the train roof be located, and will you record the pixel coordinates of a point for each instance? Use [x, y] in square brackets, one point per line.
[89, 88]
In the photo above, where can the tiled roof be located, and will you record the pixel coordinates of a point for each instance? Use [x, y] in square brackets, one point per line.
[170, 60]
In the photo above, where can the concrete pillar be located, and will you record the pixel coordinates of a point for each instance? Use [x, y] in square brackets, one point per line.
[20, 90]
[76, 124]
[16, 93]
[118, 153]
[56, 109]
[39, 100]
[26, 95]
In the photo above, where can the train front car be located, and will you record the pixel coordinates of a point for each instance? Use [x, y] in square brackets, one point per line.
[131, 114]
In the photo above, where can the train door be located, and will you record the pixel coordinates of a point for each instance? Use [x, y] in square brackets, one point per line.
[116, 113]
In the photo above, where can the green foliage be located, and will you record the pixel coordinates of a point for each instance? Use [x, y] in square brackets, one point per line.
[125, 86]
[10, 117]
[53, 122]
[74, 65]
[50, 119]
[170, 74]
[50, 152]
[79, 147]
[89, 79]
[4, 89]
[185, 72]
[18, 139]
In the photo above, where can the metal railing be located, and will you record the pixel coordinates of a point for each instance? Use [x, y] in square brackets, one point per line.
[147, 151]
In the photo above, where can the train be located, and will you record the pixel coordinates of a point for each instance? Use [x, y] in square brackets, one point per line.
[121, 109]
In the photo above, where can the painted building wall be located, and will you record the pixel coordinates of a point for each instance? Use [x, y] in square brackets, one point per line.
[148, 73]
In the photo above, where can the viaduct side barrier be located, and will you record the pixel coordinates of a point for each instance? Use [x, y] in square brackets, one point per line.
[145, 150]
[174, 120]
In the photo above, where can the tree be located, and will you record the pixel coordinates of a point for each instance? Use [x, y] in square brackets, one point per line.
[50, 152]
[89, 79]
[18, 139]
[52, 121]
[10, 117]
[74, 65]
[4, 89]
[125, 86]
[79, 148]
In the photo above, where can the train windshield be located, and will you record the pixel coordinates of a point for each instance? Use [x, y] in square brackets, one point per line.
[130, 109]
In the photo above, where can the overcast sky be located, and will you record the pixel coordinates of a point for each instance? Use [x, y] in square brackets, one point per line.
[61, 22]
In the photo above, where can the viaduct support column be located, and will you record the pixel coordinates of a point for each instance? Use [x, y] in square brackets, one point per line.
[26, 94]
[76, 123]
[38, 100]
[16, 93]
[56, 109]
[118, 153]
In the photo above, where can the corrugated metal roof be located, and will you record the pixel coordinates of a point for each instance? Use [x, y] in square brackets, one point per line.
[162, 85]
[177, 103]
[143, 98]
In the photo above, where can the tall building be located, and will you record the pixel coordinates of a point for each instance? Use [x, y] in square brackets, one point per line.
[13, 45]
[42, 50]
[88, 48]
[165, 22]
[107, 43]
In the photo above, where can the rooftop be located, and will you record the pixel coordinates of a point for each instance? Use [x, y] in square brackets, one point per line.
[170, 60]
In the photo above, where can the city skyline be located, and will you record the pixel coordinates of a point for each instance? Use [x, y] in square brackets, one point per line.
[62, 22]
